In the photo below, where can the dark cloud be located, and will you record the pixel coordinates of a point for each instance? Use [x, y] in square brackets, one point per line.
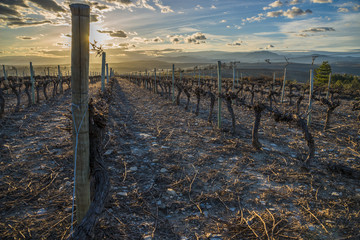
[20, 3]
[119, 34]
[196, 38]
[49, 5]
[119, 1]
[320, 29]
[8, 11]
[94, 17]
[14, 22]
[25, 38]
[99, 6]
[295, 11]
[235, 44]
[59, 53]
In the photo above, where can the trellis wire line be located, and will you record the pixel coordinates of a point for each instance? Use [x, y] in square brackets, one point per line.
[77, 130]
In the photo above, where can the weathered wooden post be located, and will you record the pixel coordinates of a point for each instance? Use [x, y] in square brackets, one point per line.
[274, 79]
[173, 83]
[5, 75]
[155, 81]
[283, 87]
[103, 71]
[60, 79]
[219, 92]
[80, 87]
[328, 90]
[32, 83]
[233, 84]
[310, 97]
[107, 73]
[199, 81]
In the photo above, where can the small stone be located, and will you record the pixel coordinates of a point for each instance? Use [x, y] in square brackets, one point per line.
[155, 160]
[163, 170]
[171, 192]
[41, 211]
[206, 213]
[108, 152]
[336, 194]
[311, 227]
[133, 169]
[147, 237]
[232, 209]
[184, 238]
[165, 147]
[124, 194]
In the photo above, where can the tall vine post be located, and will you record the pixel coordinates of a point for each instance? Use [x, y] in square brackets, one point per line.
[173, 83]
[32, 83]
[80, 87]
[219, 93]
[107, 73]
[328, 90]
[310, 97]
[103, 71]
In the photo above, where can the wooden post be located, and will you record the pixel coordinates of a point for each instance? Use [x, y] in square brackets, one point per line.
[103, 71]
[5, 75]
[310, 97]
[233, 86]
[32, 83]
[60, 79]
[155, 83]
[283, 87]
[199, 79]
[274, 79]
[107, 73]
[219, 92]
[80, 88]
[328, 91]
[173, 83]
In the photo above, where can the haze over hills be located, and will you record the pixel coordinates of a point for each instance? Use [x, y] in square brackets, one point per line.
[251, 63]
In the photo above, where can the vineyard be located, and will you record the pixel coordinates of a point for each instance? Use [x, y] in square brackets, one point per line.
[183, 155]
[173, 173]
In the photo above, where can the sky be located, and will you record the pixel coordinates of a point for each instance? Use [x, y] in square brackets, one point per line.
[42, 28]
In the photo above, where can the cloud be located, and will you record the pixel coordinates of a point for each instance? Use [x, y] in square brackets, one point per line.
[269, 46]
[94, 17]
[321, 1]
[275, 4]
[257, 18]
[164, 9]
[174, 38]
[303, 35]
[20, 3]
[198, 7]
[295, 2]
[157, 40]
[213, 7]
[118, 34]
[344, 10]
[319, 29]
[7, 11]
[295, 11]
[49, 5]
[223, 21]
[275, 13]
[196, 38]
[99, 6]
[235, 44]
[25, 38]
[14, 22]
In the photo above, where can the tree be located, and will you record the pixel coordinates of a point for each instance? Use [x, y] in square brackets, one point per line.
[322, 73]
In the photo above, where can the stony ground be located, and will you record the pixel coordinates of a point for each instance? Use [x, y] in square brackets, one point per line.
[176, 176]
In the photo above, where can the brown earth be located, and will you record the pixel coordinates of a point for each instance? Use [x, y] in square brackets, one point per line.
[175, 176]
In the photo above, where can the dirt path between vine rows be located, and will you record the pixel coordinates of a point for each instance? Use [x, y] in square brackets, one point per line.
[175, 176]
